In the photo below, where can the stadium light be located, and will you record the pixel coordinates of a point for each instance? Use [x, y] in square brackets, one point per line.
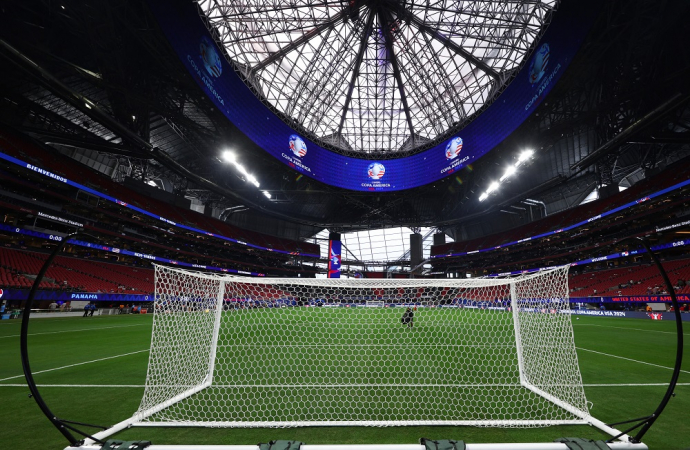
[252, 180]
[240, 168]
[229, 156]
[267, 194]
[525, 155]
[510, 171]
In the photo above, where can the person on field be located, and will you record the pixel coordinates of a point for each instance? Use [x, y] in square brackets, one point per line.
[408, 318]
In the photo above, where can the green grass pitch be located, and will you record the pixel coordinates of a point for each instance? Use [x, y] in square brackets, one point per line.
[93, 369]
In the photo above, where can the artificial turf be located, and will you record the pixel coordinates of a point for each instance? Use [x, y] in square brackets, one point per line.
[92, 370]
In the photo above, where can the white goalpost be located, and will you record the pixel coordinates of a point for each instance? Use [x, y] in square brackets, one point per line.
[231, 351]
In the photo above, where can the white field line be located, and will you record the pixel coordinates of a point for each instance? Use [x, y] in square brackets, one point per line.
[632, 384]
[70, 331]
[361, 345]
[627, 359]
[143, 386]
[77, 364]
[626, 328]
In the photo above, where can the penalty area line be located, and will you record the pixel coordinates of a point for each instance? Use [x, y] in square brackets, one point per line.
[143, 386]
[77, 364]
[72, 331]
[627, 359]
[626, 328]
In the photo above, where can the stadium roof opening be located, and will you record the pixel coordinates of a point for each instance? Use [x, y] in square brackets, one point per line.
[372, 76]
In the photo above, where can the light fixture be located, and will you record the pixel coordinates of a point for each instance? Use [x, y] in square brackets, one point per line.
[240, 168]
[509, 172]
[525, 155]
[267, 194]
[229, 156]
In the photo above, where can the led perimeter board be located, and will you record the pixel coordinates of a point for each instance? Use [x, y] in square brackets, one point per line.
[189, 37]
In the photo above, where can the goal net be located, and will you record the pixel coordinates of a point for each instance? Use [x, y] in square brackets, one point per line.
[232, 351]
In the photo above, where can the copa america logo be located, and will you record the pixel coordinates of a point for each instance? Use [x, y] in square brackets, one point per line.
[210, 57]
[453, 148]
[376, 171]
[537, 67]
[335, 260]
[297, 145]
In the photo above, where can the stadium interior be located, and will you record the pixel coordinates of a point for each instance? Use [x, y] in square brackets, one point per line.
[95, 93]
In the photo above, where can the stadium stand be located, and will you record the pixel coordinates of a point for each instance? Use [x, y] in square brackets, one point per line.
[19, 267]
[22, 148]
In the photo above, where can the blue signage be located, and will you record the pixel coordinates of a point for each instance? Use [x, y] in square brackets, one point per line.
[191, 40]
[681, 298]
[124, 204]
[61, 296]
[334, 258]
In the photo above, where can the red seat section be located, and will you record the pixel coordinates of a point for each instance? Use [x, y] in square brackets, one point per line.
[17, 267]
[646, 280]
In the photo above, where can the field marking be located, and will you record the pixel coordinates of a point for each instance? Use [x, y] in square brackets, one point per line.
[363, 345]
[625, 328]
[632, 384]
[350, 385]
[627, 359]
[70, 331]
[77, 364]
[77, 385]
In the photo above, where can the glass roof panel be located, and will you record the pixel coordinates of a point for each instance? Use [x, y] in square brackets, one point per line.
[377, 76]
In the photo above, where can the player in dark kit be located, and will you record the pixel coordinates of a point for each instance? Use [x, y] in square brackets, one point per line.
[408, 318]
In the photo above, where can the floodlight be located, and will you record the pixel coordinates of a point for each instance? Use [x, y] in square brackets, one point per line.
[240, 168]
[229, 156]
[492, 187]
[483, 197]
[267, 194]
[525, 155]
[509, 172]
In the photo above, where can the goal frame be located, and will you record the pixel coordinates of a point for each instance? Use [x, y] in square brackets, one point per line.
[583, 417]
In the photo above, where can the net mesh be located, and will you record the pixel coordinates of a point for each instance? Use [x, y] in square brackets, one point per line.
[234, 351]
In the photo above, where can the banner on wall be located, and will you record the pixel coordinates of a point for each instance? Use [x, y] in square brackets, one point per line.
[683, 298]
[61, 296]
[334, 258]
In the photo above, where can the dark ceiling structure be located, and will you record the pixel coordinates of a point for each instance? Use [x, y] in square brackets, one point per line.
[98, 81]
